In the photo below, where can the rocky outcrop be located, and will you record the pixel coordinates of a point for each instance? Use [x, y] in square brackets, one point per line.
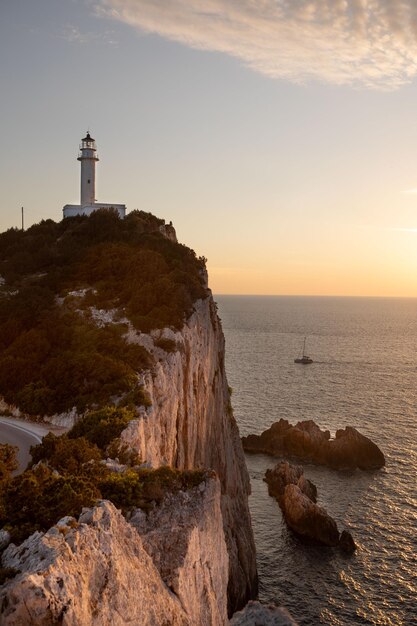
[167, 567]
[307, 518]
[257, 614]
[284, 474]
[190, 424]
[297, 498]
[184, 537]
[346, 543]
[96, 573]
[348, 451]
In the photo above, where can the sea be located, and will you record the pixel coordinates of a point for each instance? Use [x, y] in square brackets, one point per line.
[364, 375]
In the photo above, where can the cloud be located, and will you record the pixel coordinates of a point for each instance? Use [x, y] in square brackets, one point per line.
[409, 191]
[73, 34]
[372, 43]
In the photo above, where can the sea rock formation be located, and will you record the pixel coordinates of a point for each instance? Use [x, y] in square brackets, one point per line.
[100, 570]
[284, 474]
[307, 518]
[306, 441]
[297, 498]
[257, 614]
[191, 425]
[347, 543]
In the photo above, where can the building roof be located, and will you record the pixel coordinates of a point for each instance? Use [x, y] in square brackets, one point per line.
[87, 137]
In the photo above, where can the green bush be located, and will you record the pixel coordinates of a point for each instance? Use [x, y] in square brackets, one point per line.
[102, 426]
[38, 498]
[65, 454]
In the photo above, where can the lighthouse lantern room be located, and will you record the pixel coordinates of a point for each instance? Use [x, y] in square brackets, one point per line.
[88, 157]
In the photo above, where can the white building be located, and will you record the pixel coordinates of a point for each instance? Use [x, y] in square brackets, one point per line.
[88, 157]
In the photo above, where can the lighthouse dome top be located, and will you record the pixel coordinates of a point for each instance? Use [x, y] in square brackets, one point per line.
[87, 137]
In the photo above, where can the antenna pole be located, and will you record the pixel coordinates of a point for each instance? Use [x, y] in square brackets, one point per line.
[23, 220]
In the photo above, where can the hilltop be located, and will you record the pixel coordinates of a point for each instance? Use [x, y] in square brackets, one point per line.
[58, 282]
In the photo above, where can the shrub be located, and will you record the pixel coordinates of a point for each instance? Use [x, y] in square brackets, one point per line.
[102, 426]
[38, 498]
[8, 460]
[65, 454]
[169, 345]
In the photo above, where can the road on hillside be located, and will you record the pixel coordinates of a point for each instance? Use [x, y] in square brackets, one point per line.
[21, 437]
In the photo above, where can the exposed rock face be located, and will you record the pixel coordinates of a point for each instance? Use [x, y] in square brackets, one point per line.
[305, 440]
[257, 614]
[102, 572]
[97, 574]
[284, 474]
[184, 537]
[307, 518]
[190, 424]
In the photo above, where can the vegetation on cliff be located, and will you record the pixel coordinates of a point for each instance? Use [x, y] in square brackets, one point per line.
[53, 355]
[68, 473]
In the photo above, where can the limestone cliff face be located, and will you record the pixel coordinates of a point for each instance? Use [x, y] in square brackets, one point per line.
[185, 539]
[191, 424]
[169, 568]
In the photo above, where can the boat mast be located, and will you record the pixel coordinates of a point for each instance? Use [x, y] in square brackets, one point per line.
[304, 346]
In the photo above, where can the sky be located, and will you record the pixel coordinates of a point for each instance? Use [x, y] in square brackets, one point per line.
[279, 136]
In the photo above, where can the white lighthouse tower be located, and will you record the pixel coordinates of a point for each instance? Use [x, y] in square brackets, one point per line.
[88, 157]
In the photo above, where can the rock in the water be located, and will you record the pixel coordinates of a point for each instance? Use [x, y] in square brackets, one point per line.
[346, 542]
[305, 440]
[257, 614]
[307, 518]
[284, 474]
[351, 449]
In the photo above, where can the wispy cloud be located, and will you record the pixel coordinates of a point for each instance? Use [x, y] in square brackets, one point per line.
[364, 42]
[73, 34]
[409, 191]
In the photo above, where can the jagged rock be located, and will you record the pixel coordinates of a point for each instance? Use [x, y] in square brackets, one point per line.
[167, 567]
[95, 574]
[257, 614]
[305, 440]
[284, 474]
[191, 424]
[351, 449]
[346, 542]
[307, 518]
[184, 537]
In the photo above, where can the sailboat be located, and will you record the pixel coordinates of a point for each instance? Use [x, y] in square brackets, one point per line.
[305, 360]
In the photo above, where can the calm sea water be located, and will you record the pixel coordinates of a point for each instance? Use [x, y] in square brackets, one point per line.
[364, 375]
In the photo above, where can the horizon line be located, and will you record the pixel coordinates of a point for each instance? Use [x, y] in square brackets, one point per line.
[284, 295]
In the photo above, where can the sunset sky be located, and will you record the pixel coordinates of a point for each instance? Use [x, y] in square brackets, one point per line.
[279, 136]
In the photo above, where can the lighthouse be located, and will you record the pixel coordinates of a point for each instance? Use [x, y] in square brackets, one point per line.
[88, 157]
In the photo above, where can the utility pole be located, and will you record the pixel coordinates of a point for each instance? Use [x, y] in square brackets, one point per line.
[23, 220]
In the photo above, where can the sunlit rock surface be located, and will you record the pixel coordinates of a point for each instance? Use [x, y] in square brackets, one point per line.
[184, 537]
[191, 424]
[169, 566]
[96, 574]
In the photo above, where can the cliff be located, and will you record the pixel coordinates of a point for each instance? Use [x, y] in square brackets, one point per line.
[108, 312]
[166, 568]
[190, 424]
